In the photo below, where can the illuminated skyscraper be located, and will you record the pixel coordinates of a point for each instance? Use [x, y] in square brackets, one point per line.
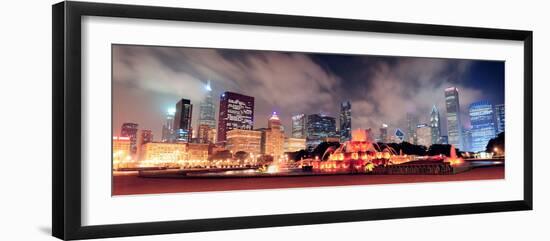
[273, 137]
[319, 127]
[182, 120]
[467, 137]
[168, 126]
[384, 134]
[236, 112]
[435, 125]
[207, 109]
[482, 119]
[412, 122]
[207, 119]
[345, 121]
[130, 130]
[454, 124]
[499, 112]
[299, 126]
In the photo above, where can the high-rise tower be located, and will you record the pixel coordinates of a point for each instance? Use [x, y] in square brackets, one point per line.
[345, 121]
[454, 124]
[435, 125]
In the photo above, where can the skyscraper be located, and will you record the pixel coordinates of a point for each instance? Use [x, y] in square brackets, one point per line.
[482, 119]
[319, 127]
[145, 136]
[384, 134]
[236, 112]
[454, 124]
[168, 126]
[435, 125]
[345, 121]
[182, 120]
[299, 126]
[274, 137]
[207, 110]
[130, 130]
[423, 135]
[467, 137]
[499, 112]
[412, 122]
[207, 119]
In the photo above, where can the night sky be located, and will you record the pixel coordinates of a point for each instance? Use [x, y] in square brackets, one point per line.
[149, 80]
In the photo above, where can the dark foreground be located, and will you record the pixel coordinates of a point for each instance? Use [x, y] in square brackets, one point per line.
[132, 184]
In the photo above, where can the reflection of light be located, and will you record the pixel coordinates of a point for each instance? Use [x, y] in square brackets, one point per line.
[272, 169]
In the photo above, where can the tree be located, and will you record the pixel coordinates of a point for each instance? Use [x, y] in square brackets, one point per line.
[241, 155]
[439, 149]
[298, 155]
[221, 155]
[322, 147]
[498, 143]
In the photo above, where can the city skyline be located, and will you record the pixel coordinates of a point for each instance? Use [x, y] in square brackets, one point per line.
[323, 74]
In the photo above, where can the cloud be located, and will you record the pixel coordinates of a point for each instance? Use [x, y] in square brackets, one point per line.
[410, 85]
[289, 83]
[381, 89]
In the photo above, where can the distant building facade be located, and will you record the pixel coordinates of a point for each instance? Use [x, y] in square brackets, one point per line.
[484, 128]
[384, 138]
[130, 130]
[423, 135]
[236, 112]
[319, 126]
[435, 125]
[207, 116]
[454, 124]
[168, 134]
[299, 126]
[412, 122]
[159, 153]
[499, 112]
[467, 136]
[345, 121]
[182, 120]
[294, 144]
[273, 137]
[244, 140]
[197, 152]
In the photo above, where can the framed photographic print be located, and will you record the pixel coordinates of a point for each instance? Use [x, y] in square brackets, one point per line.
[169, 120]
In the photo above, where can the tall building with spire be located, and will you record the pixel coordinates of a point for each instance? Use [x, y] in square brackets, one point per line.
[454, 124]
[273, 137]
[435, 126]
[207, 119]
[168, 126]
[345, 121]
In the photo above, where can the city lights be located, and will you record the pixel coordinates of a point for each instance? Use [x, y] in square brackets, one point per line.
[350, 126]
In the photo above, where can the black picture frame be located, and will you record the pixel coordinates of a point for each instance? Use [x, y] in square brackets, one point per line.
[66, 152]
